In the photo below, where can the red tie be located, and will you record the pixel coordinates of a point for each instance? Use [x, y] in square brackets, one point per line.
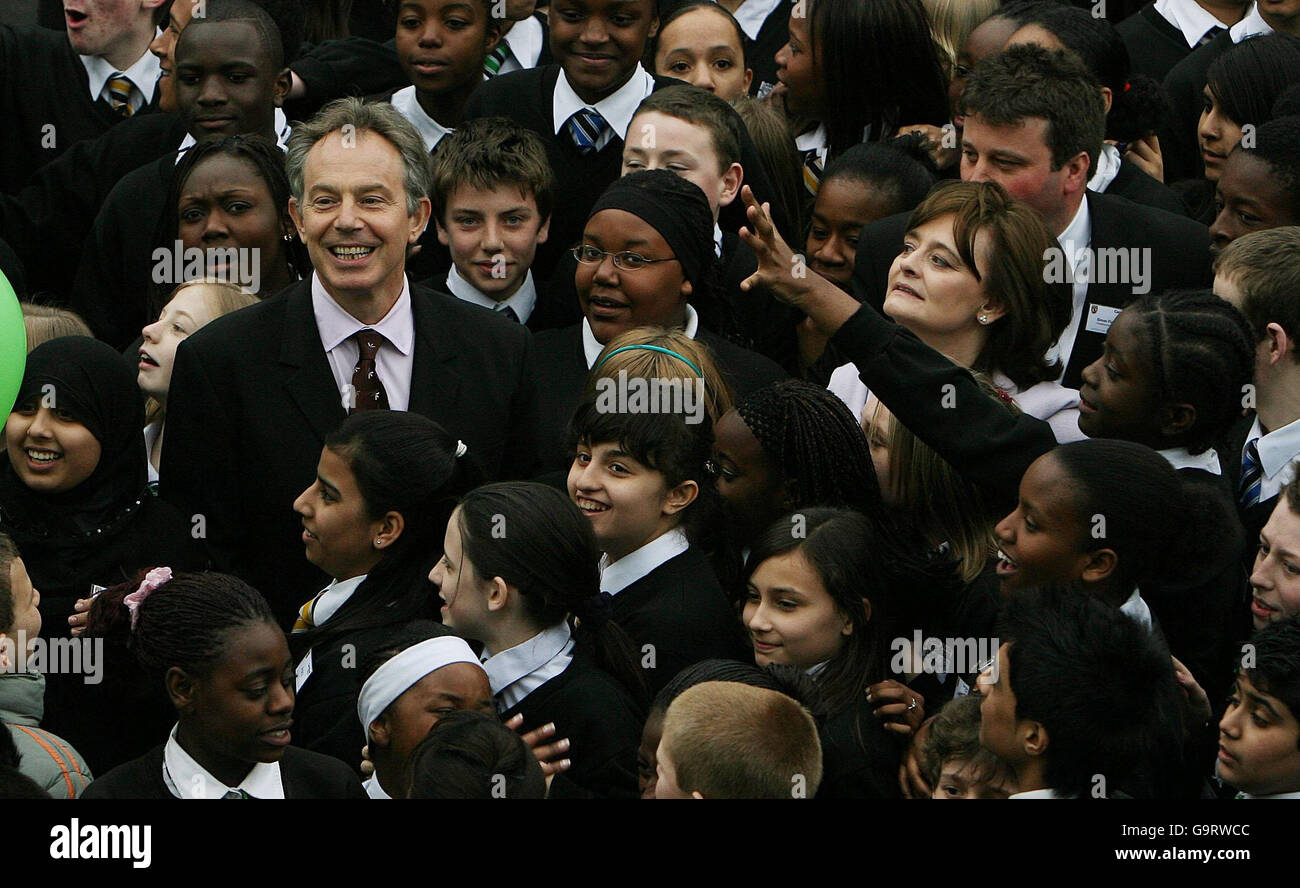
[370, 394]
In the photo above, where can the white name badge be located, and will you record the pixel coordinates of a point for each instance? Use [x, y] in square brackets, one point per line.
[1100, 317]
[302, 672]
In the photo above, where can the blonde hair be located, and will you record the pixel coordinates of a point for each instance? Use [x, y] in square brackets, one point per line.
[729, 740]
[951, 22]
[934, 497]
[45, 322]
[648, 363]
[222, 297]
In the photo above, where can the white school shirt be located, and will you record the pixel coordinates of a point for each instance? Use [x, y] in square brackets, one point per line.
[1189, 18]
[143, 73]
[522, 302]
[1108, 162]
[752, 13]
[282, 132]
[1075, 240]
[591, 349]
[1038, 794]
[518, 671]
[616, 577]
[1276, 795]
[1277, 454]
[408, 106]
[151, 433]
[1251, 26]
[328, 600]
[187, 779]
[617, 108]
[525, 41]
[374, 790]
[1135, 608]
[1179, 458]
[395, 359]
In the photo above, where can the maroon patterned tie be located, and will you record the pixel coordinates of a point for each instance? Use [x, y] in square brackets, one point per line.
[370, 394]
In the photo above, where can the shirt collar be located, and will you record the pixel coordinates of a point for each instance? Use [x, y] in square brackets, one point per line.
[1276, 795]
[752, 13]
[333, 597]
[617, 108]
[512, 664]
[1136, 609]
[616, 577]
[1188, 16]
[523, 301]
[282, 132]
[1276, 449]
[336, 325]
[1179, 458]
[1108, 162]
[1036, 794]
[814, 139]
[1250, 26]
[143, 73]
[1079, 232]
[374, 790]
[717, 240]
[525, 41]
[591, 349]
[405, 101]
[187, 779]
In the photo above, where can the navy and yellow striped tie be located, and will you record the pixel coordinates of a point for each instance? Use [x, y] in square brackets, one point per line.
[117, 91]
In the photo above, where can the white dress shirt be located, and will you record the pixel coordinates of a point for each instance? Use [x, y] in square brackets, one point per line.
[1189, 18]
[752, 13]
[143, 73]
[1108, 162]
[151, 433]
[1251, 26]
[617, 108]
[1179, 458]
[1075, 241]
[518, 671]
[1038, 794]
[374, 790]
[395, 359]
[1277, 454]
[592, 349]
[616, 577]
[328, 601]
[187, 779]
[525, 41]
[282, 132]
[522, 302]
[406, 103]
[1135, 608]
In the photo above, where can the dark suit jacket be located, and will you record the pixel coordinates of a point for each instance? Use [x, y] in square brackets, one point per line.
[598, 715]
[679, 608]
[305, 775]
[562, 377]
[1175, 254]
[252, 399]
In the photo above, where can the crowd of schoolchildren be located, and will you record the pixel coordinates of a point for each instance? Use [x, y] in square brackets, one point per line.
[615, 398]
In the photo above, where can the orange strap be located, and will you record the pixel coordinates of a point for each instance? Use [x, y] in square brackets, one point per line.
[52, 754]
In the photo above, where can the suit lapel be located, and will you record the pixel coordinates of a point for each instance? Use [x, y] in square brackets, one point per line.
[309, 380]
[435, 385]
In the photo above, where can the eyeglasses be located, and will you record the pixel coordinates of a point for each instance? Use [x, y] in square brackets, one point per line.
[625, 260]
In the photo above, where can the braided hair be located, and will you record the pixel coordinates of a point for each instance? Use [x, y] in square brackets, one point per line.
[185, 622]
[1200, 351]
[815, 443]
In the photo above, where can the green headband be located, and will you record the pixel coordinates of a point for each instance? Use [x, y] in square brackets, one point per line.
[653, 348]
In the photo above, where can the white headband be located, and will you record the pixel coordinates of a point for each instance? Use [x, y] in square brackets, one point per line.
[395, 677]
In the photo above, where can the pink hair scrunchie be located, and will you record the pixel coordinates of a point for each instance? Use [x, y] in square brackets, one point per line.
[152, 580]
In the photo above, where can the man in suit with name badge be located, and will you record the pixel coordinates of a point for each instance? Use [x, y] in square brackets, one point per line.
[1034, 124]
[255, 393]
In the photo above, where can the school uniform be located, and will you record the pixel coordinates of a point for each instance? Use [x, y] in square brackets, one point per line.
[550, 680]
[1184, 84]
[859, 758]
[520, 307]
[1164, 33]
[47, 103]
[1116, 175]
[1174, 252]
[541, 99]
[117, 271]
[767, 25]
[668, 600]
[1273, 467]
[254, 394]
[564, 358]
[528, 43]
[169, 772]
[51, 762]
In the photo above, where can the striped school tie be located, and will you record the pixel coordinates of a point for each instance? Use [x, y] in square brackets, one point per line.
[586, 127]
[496, 58]
[812, 170]
[1252, 475]
[117, 92]
[304, 620]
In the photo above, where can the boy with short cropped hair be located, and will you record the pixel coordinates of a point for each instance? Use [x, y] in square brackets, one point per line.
[1259, 735]
[727, 740]
[492, 206]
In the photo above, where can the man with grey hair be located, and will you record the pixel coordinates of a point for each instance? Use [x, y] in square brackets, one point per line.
[254, 394]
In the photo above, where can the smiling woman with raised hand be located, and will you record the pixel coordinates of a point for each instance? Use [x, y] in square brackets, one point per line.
[213, 643]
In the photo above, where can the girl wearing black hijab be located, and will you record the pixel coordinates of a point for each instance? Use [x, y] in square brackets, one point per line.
[73, 498]
[646, 258]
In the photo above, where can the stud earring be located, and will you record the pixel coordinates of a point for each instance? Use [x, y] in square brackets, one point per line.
[379, 543]
[984, 319]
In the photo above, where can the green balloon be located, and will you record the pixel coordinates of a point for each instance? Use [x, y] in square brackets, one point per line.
[13, 345]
